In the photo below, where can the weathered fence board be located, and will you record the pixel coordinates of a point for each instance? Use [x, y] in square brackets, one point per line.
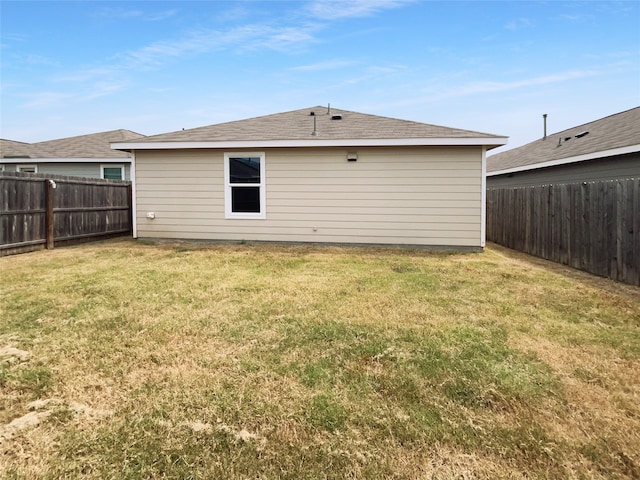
[592, 226]
[38, 211]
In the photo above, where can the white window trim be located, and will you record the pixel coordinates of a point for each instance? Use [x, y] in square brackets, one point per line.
[107, 165]
[20, 168]
[227, 187]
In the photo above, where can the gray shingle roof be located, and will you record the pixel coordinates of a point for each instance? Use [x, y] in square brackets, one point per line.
[95, 145]
[299, 125]
[11, 148]
[615, 131]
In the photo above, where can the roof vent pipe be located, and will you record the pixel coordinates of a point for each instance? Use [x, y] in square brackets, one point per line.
[315, 131]
[544, 117]
[328, 109]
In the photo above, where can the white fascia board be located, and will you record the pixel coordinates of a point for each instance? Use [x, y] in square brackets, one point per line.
[134, 197]
[119, 161]
[353, 142]
[483, 200]
[568, 160]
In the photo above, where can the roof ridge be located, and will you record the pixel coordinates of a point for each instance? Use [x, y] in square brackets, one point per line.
[84, 135]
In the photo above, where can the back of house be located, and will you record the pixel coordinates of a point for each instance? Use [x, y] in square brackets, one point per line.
[319, 175]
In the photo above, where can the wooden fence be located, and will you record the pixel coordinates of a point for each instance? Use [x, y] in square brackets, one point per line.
[39, 211]
[592, 226]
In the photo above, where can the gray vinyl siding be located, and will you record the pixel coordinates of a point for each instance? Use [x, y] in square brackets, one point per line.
[610, 168]
[87, 170]
[413, 196]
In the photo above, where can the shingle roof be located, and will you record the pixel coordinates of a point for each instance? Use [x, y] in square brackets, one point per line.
[299, 125]
[11, 148]
[608, 133]
[95, 145]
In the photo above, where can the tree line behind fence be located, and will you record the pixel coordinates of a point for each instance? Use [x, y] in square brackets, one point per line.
[592, 226]
[40, 211]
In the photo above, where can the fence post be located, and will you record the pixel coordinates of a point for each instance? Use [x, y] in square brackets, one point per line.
[49, 186]
[130, 200]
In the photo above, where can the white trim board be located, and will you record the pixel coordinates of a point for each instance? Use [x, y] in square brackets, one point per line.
[118, 160]
[347, 142]
[483, 201]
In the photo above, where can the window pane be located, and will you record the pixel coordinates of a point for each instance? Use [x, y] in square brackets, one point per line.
[245, 199]
[113, 173]
[244, 170]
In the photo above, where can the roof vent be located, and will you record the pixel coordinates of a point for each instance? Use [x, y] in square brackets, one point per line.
[582, 134]
[336, 117]
[312, 114]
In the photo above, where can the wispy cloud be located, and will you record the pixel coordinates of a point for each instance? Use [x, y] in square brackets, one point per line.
[336, 9]
[89, 92]
[519, 24]
[328, 65]
[292, 35]
[15, 37]
[156, 17]
[100, 89]
[124, 13]
[111, 12]
[486, 88]
[47, 99]
[246, 37]
[40, 60]
[496, 87]
[479, 88]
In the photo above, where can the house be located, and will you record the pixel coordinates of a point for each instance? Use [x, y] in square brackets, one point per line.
[318, 174]
[84, 156]
[572, 197]
[605, 149]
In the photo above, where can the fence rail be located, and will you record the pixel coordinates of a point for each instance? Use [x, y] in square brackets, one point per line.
[592, 226]
[39, 211]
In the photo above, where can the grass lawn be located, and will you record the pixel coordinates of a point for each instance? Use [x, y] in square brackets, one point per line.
[126, 360]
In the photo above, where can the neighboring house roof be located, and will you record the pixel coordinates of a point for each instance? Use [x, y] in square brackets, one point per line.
[11, 148]
[315, 126]
[84, 147]
[616, 134]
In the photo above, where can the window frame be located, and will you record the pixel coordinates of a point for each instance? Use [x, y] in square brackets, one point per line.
[120, 166]
[228, 186]
[29, 166]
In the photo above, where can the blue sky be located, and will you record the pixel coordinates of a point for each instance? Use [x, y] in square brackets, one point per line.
[71, 68]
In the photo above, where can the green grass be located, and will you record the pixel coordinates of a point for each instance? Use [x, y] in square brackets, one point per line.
[257, 361]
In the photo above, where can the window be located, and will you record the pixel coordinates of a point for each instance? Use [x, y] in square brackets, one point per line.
[244, 185]
[28, 168]
[1, 167]
[112, 172]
